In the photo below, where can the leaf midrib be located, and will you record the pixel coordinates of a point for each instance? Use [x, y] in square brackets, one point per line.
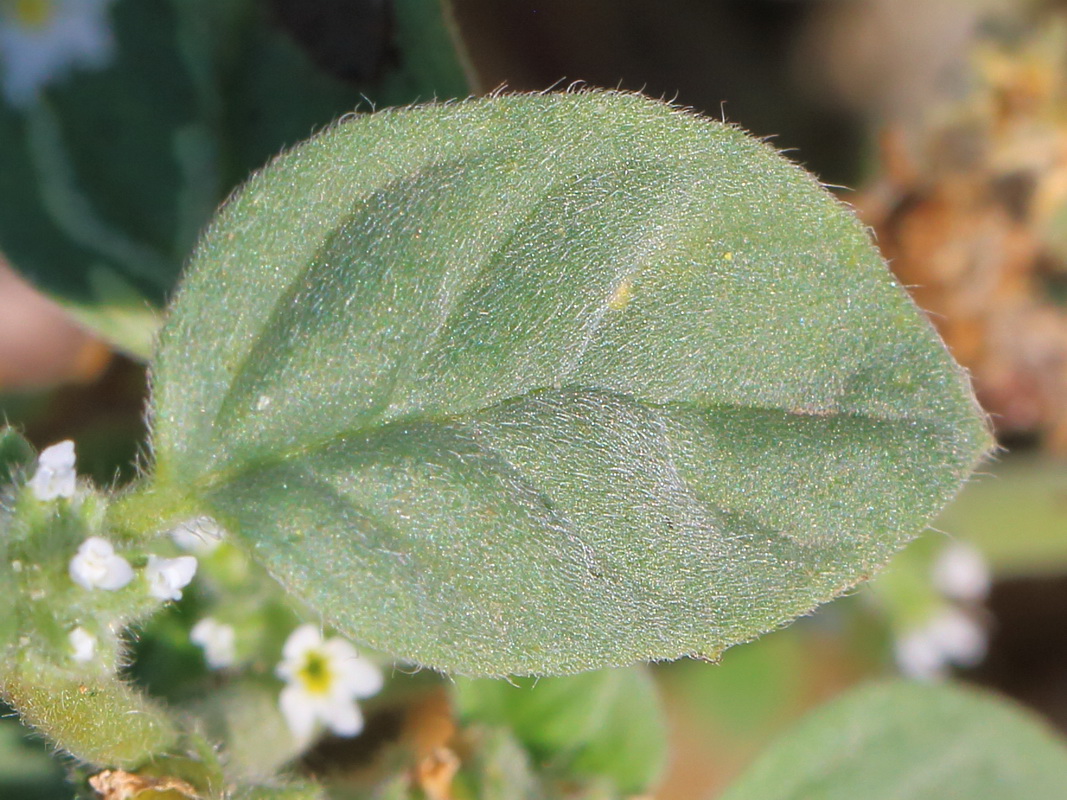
[213, 479]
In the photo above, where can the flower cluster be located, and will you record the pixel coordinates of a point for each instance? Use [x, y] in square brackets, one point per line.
[952, 635]
[96, 565]
[323, 677]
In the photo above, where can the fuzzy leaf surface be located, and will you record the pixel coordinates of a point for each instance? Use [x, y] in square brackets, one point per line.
[909, 740]
[538, 384]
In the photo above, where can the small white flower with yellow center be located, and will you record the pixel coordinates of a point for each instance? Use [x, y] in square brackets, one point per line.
[217, 639]
[324, 679]
[42, 40]
[168, 576]
[55, 476]
[96, 566]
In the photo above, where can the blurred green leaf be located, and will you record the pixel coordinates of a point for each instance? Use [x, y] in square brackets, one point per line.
[915, 741]
[538, 384]
[747, 694]
[16, 455]
[27, 770]
[244, 716]
[498, 769]
[1016, 515]
[606, 723]
[111, 174]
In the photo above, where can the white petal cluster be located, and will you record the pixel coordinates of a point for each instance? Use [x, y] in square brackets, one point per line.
[43, 40]
[953, 635]
[82, 644]
[168, 576]
[55, 476]
[97, 566]
[950, 637]
[217, 639]
[323, 680]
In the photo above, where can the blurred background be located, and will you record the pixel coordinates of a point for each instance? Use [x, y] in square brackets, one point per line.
[942, 122]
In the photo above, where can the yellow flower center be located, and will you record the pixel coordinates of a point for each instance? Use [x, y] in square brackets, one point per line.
[34, 13]
[315, 674]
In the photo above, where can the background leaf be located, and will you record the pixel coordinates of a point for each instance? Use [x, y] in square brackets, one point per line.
[109, 177]
[908, 740]
[16, 455]
[545, 383]
[606, 723]
[27, 770]
[1024, 495]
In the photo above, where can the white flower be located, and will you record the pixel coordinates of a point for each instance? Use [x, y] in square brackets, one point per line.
[55, 475]
[960, 573]
[217, 639]
[168, 576]
[82, 643]
[323, 678]
[200, 535]
[950, 637]
[42, 40]
[97, 567]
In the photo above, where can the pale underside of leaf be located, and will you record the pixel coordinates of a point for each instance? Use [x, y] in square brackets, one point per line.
[899, 740]
[548, 383]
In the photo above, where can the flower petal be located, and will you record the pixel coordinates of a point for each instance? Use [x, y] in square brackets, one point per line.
[304, 638]
[299, 712]
[82, 643]
[168, 576]
[343, 718]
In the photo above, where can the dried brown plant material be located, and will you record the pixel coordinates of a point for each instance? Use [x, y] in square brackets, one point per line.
[40, 344]
[434, 773]
[963, 212]
[121, 785]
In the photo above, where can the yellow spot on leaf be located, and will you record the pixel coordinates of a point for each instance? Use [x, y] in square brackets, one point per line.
[620, 298]
[728, 256]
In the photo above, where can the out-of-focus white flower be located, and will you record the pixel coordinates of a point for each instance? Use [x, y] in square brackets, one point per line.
[43, 40]
[200, 535]
[960, 573]
[217, 639]
[324, 679]
[950, 637]
[82, 643]
[168, 576]
[96, 566]
[55, 476]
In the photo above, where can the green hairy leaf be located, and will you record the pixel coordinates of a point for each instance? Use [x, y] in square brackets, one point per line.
[538, 384]
[904, 740]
